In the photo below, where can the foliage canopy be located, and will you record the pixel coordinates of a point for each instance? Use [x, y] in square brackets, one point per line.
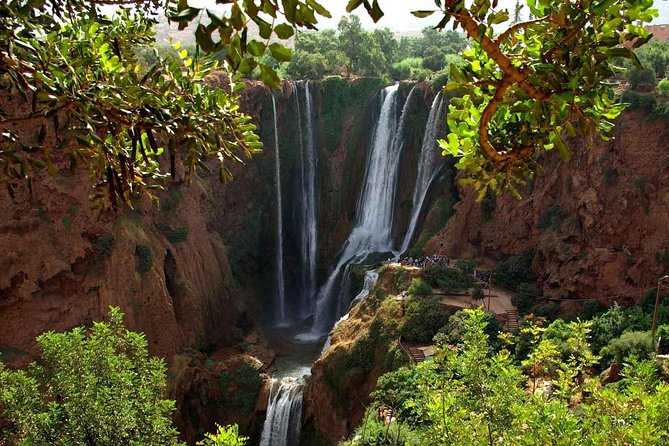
[96, 387]
[522, 92]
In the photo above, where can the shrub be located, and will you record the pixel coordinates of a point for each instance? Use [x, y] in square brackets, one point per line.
[447, 278]
[453, 332]
[144, 258]
[632, 343]
[402, 69]
[440, 79]
[96, 386]
[477, 293]
[424, 316]
[524, 301]
[224, 436]
[466, 266]
[663, 87]
[419, 287]
[488, 206]
[103, 245]
[248, 375]
[67, 223]
[177, 235]
[515, 270]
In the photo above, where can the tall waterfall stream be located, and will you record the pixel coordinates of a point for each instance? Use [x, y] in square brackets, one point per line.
[371, 234]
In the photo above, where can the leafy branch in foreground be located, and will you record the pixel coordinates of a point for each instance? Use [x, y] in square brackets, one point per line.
[85, 97]
[525, 89]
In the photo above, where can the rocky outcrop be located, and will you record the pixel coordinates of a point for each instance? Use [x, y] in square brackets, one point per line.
[597, 225]
[363, 347]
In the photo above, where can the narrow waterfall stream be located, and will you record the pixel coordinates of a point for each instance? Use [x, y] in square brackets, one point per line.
[280, 286]
[427, 169]
[309, 211]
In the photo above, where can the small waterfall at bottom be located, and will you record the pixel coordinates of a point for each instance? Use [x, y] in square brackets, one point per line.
[284, 413]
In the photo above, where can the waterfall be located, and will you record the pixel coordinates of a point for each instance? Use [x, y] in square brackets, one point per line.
[372, 232]
[309, 211]
[284, 413]
[281, 297]
[427, 170]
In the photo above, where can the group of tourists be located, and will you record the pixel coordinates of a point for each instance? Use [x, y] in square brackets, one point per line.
[482, 277]
[424, 260]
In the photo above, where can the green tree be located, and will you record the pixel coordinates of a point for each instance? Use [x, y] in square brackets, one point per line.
[224, 436]
[530, 85]
[92, 387]
[364, 54]
[521, 91]
[434, 58]
[306, 65]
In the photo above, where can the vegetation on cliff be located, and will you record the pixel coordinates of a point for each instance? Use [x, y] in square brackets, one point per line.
[473, 394]
[95, 386]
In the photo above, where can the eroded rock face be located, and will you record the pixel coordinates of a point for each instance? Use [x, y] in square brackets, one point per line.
[62, 264]
[598, 224]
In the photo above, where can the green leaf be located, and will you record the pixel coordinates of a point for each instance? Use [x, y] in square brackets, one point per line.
[280, 52]
[203, 38]
[422, 14]
[284, 31]
[269, 76]
[353, 4]
[256, 48]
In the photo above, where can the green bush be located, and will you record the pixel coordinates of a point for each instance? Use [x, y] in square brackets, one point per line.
[94, 386]
[449, 279]
[477, 293]
[466, 266]
[418, 287]
[177, 235]
[144, 258]
[103, 245]
[224, 436]
[515, 270]
[440, 79]
[248, 375]
[631, 343]
[423, 317]
[488, 205]
[524, 300]
[402, 69]
[663, 87]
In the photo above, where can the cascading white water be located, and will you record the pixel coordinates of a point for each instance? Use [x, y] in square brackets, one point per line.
[372, 232]
[284, 413]
[280, 286]
[309, 236]
[427, 169]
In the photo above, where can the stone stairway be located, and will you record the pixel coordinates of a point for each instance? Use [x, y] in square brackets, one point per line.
[512, 321]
